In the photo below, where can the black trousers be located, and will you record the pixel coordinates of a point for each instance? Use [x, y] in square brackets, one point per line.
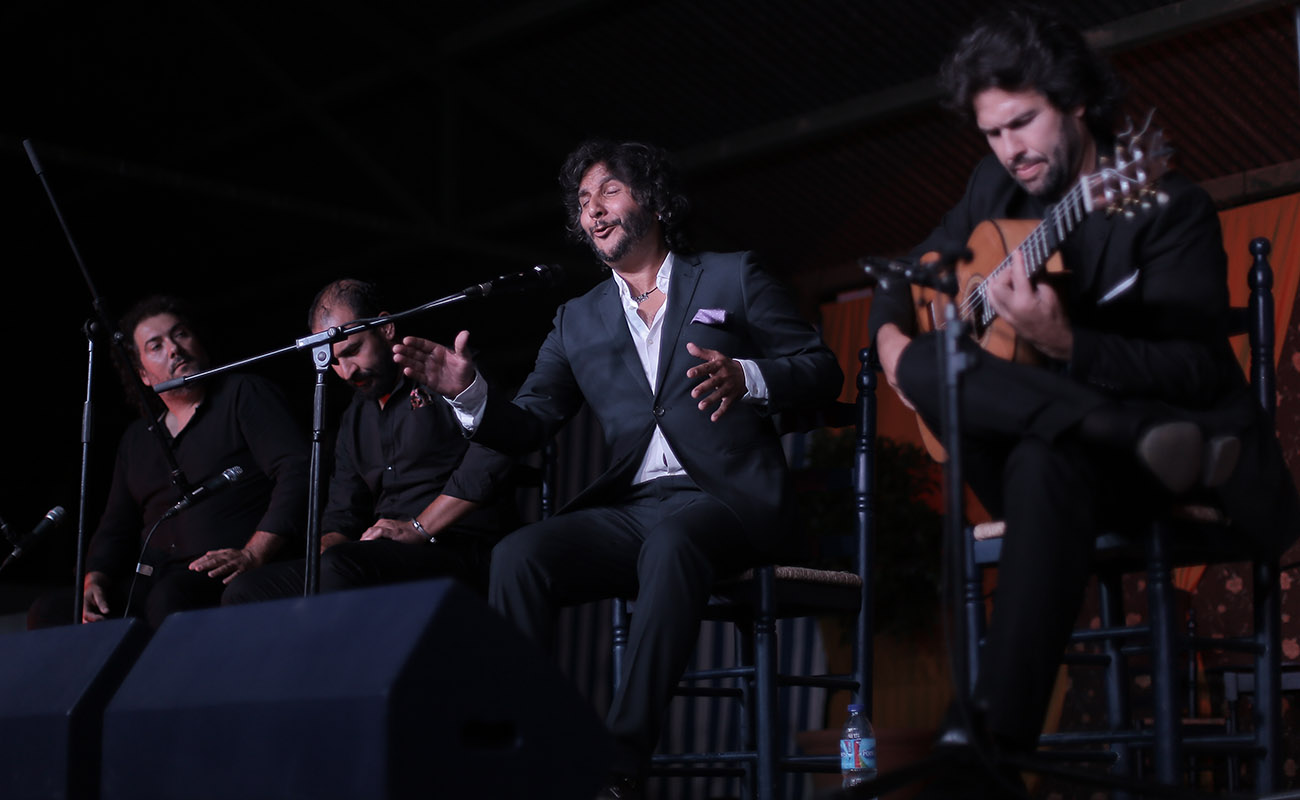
[375, 562]
[172, 587]
[664, 543]
[1024, 457]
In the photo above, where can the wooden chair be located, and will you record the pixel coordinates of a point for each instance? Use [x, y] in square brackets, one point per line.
[1187, 535]
[753, 602]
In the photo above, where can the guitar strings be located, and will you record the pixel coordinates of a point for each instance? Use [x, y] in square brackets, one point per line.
[1035, 243]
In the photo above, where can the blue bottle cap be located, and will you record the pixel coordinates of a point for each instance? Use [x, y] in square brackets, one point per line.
[857, 708]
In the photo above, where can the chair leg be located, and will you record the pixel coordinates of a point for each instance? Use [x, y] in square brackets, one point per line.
[1268, 676]
[619, 634]
[1230, 699]
[1165, 675]
[766, 706]
[1110, 607]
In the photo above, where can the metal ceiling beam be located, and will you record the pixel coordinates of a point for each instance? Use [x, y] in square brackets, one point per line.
[1254, 185]
[517, 21]
[326, 124]
[272, 201]
[1123, 34]
[458, 88]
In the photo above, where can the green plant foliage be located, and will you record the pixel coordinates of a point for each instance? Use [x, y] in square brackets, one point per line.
[909, 529]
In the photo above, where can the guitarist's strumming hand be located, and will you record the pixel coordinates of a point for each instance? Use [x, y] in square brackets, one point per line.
[890, 343]
[1032, 308]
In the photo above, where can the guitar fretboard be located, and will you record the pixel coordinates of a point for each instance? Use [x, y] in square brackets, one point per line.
[1059, 221]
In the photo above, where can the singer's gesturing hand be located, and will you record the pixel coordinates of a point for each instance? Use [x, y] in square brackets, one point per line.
[445, 372]
[724, 380]
[94, 598]
[397, 530]
[225, 563]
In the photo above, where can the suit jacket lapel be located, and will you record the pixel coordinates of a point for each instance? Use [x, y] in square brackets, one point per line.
[1092, 240]
[611, 311]
[681, 290]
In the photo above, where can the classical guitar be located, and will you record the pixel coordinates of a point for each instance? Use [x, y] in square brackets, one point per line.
[1124, 183]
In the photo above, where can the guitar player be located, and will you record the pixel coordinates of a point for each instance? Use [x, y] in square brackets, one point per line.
[1137, 394]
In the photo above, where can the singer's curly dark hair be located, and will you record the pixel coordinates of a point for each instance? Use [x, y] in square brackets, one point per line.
[128, 367]
[1027, 46]
[363, 298]
[649, 172]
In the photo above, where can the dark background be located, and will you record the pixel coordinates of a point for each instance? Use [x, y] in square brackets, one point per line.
[243, 154]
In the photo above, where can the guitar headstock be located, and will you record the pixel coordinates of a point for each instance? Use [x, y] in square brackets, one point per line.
[1126, 182]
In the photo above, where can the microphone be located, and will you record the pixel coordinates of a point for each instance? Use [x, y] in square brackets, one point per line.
[931, 274]
[542, 275]
[205, 491]
[52, 519]
[882, 270]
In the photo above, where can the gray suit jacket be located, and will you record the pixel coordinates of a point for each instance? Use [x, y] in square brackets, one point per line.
[589, 357]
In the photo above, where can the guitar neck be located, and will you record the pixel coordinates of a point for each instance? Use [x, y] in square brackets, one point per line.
[1039, 246]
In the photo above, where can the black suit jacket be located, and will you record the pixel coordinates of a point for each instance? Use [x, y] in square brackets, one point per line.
[589, 357]
[1148, 302]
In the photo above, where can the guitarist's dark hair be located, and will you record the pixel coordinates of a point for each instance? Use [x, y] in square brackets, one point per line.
[1029, 47]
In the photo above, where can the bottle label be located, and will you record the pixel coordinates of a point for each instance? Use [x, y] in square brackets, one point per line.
[857, 754]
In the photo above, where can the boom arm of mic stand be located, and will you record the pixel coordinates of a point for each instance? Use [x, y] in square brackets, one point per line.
[147, 399]
[321, 345]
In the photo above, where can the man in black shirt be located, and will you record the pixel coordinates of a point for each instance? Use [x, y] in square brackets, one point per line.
[138, 565]
[1137, 397]
[404, 475]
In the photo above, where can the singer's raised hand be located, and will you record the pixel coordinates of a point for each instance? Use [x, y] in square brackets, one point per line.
[724, 380]
[446, 372]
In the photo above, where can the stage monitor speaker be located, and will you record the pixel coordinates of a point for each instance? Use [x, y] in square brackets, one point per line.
[403, 691]
[54, 686]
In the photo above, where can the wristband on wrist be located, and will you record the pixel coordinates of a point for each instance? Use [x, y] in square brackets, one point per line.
[420, 529]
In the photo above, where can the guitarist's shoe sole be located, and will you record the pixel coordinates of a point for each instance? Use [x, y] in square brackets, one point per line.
[1172, 452]
[1178, 455]
[1221, 453]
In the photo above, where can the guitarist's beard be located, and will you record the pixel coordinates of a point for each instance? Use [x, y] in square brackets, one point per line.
[1064, 166]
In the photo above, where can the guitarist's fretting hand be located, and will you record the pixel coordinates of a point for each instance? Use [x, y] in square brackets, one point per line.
[1032, 308]
[890, 343]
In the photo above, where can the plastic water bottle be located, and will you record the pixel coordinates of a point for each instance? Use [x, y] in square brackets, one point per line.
[857, 748]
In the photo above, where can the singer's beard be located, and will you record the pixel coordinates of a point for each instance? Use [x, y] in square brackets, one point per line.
[377, 382]
[635, 225]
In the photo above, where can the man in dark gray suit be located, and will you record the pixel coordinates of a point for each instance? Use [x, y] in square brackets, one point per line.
[683, 357]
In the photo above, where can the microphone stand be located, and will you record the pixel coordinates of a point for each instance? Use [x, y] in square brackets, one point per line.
[963, 732]
[941, 276]
[321, 346]
[152, 405]
[78, 590]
